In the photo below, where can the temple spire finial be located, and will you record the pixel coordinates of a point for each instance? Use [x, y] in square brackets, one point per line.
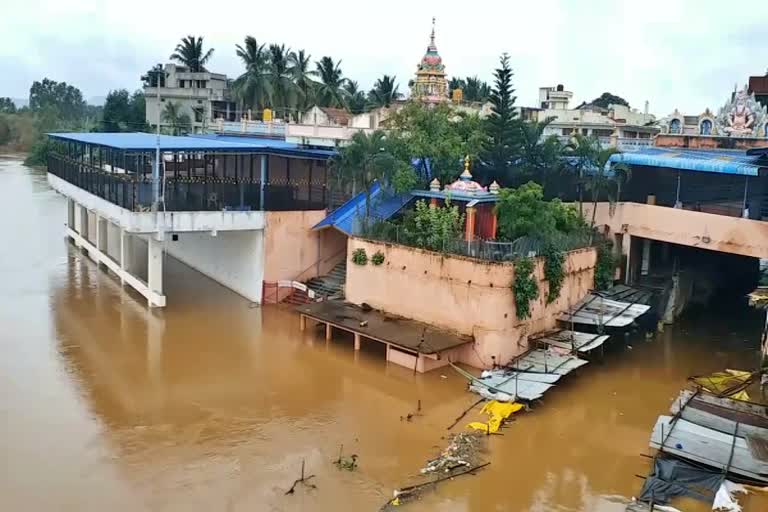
[432, 36]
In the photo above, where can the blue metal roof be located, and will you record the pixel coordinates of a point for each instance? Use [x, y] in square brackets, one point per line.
[347, 217]
[275, 146]
[148, 142]
[724, 161]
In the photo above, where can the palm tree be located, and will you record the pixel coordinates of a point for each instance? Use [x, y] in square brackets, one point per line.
[283, 88]
[540, 156]
[254, 86]
[179, 121]
[355, 97]
[365, 160]
[384, 92]
[189, 52]
[582, 151]
[330, 91]
[303, 78]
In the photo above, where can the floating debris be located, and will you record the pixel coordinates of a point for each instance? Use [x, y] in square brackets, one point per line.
[463, 450]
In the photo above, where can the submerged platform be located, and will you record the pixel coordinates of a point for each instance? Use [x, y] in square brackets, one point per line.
[409, 343]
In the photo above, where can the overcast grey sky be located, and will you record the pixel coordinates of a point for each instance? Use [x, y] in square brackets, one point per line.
[673, 53]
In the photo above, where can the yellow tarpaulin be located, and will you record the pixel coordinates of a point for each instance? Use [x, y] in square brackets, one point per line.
[498, 412]
[729, 383]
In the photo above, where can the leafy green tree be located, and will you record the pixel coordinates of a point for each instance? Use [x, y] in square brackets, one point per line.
[502, 126]
[124, 112]
[303, 78]
[189, 52]
[330, 90]
[522, 212]
[355, 97]
[436, 229]
[366, 159]
[476, 90]
[384, 93]
[606, 99]
[254, 86]
[435, 134]
[49, 95]
[180, 121]
[7, 106]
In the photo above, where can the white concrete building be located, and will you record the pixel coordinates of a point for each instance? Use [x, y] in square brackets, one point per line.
[238, 210]
[203, 96]
[332, 127]
[618, 125]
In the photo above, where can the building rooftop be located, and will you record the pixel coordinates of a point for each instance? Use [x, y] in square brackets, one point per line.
[706, 160]
[217, 143]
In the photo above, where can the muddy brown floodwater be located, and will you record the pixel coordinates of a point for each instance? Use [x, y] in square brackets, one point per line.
[212, 405]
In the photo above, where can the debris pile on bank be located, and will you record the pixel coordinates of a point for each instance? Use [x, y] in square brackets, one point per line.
[464, 454]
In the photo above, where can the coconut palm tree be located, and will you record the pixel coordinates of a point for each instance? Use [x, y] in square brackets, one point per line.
[330, 92]
[540, 155]
[385, 92]
[582, 152]
[254, 86]
[303, 78]
[189, 52]
[283, 88]
[355, 97]
[180, 121]
[365, 160]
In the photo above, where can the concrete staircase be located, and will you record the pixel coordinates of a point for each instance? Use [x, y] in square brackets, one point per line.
[331, 284]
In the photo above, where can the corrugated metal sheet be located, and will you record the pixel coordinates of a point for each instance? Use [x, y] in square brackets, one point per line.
[547, 361]
[704, 160]
[571, 340]
[507, 386]
[597, 310]
[347, 217]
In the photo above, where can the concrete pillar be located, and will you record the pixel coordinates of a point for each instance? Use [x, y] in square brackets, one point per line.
[470, 224]
[357, 341]
[328, 332]
[125, 253]
[101, 234]
[71, 214]
[494, 224]
[82, 228]
[303, 323]
[155, 265]
[626, 250]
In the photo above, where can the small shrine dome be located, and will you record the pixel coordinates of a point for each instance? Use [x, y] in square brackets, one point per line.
[465, 184]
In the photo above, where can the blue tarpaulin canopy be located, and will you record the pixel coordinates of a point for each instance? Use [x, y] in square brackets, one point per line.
[723, 161]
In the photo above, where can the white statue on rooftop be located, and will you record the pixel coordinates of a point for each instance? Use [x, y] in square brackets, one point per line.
[742, 116]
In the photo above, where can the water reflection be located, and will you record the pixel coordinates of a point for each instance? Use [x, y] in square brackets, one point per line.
[210, 404]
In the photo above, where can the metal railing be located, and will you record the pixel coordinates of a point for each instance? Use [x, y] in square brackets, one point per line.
[130, 186]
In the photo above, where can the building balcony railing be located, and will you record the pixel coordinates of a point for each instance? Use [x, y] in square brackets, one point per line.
[204, 182]
[317, 131]
[270, 129]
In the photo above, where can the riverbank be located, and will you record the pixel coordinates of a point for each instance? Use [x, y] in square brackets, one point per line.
[212, 405]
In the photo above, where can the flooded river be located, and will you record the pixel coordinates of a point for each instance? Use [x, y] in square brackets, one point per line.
[211, 404]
